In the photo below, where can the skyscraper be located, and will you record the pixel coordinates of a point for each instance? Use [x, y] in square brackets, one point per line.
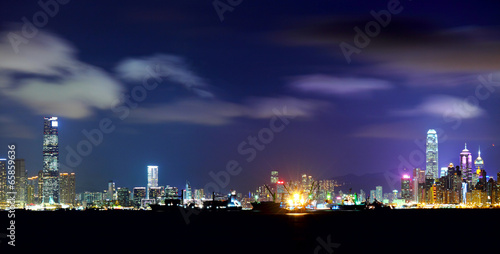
[50, 160]
[67, 183]
[152, 178]
[379, 194]
[466, 167]
[405, 188]
[3, 180]
[111, 191]
[123, 196]
[138, 194]
[20, 183]
[431, 154]
[479, 163]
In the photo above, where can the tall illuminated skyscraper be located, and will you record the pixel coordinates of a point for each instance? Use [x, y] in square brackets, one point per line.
[431, 154]
[379, 194]
[479, 163]
[50, 160]
[111, 193]
[466, 167]
[152, 178]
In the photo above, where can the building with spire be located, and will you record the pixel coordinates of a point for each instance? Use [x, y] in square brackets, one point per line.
[50, 160]
[431, 154]
[466, 167]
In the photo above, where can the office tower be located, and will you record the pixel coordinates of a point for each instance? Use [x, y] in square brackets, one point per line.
[199, 194]
[405, 188]
[152, 178]
[155, 192]
[50, 160]
[40, 187]
[67, 192]
[138, 194]
[274, 176]
[111, 193]
[479, 163]
[32, 190]
[20, 182]
[171, 192]
[3, 180]
[431, 154]
[466, 167]
[379, 194]
[187, 192]
[373, 195]
[123, 196]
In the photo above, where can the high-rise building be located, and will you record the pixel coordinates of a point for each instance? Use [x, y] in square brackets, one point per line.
[405, 188]
[466, 167]
[187, 193]
[67, 182]
[123, 196]
[3, 180]
[373, 195]
[379, 195]
[138, 194]
[50, 160]
[40, 187]
[431, 154]
[155, 192]
[479, 163]
[32, 190]
[111, 193]
[21, 179]
[152, 178]
[274, 177]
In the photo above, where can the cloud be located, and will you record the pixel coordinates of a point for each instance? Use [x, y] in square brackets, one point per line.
[173, 68]
[393, 130]
[46, 77]
[330, 85]
[216, 112]
[411, 47]
[443, 106]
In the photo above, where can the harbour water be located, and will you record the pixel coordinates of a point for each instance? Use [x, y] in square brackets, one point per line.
[176, 231]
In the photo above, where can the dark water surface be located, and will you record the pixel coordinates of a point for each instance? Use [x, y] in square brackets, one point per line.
[394, 231]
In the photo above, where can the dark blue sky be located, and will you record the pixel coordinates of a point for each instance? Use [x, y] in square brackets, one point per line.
[218, 83]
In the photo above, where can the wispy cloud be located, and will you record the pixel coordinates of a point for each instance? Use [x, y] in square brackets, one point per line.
[443, 106]
[217, 112]
[170, 67]
[46, 77]
[330, 85]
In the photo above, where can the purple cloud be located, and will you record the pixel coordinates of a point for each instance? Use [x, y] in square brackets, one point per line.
[330, 85]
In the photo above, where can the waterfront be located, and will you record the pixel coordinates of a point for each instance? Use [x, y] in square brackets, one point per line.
[394, 231]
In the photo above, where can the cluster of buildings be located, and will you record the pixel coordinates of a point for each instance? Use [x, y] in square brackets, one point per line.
[467, 183]
[49, 188]
[123, 197]
[279, 189]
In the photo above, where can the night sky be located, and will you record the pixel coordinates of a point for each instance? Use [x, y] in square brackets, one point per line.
[214, 83]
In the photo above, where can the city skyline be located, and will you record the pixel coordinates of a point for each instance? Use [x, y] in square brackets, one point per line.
[192, 103]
